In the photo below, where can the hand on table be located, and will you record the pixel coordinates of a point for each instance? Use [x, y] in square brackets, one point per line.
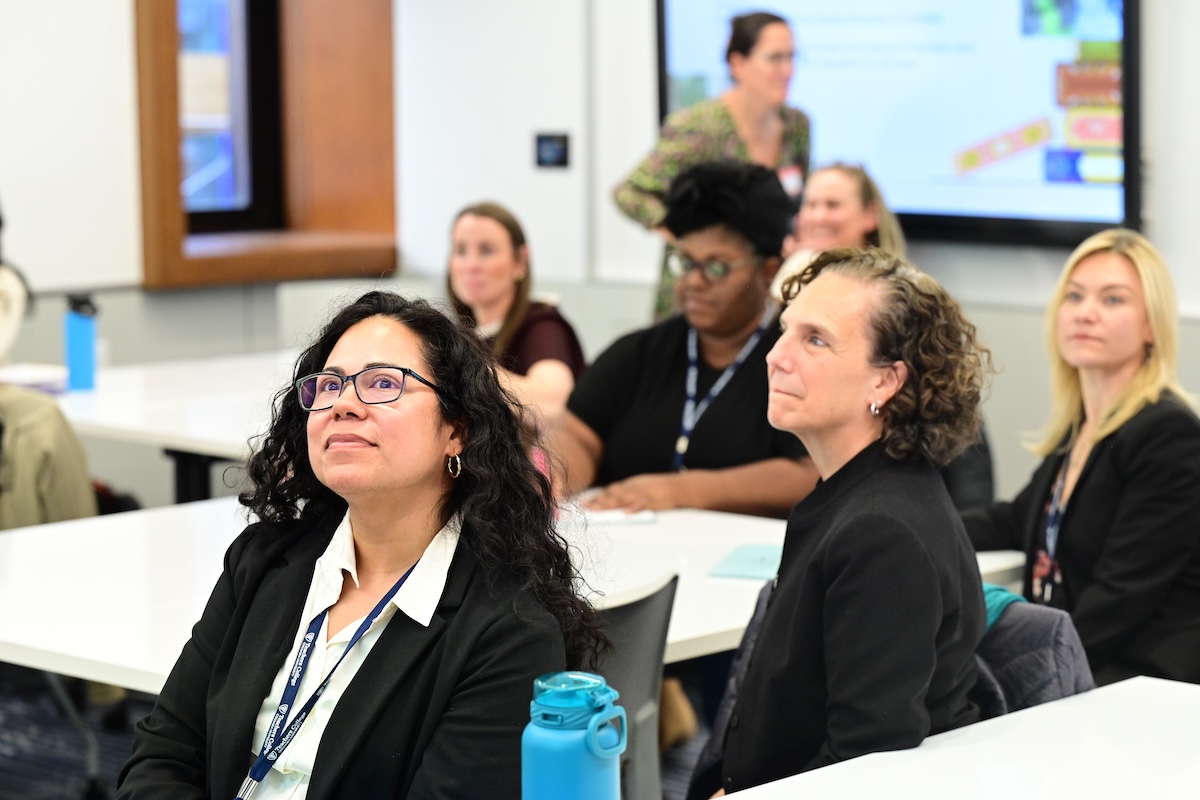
[639, 493]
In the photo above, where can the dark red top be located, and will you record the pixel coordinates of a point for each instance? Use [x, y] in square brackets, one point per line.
[543, 334]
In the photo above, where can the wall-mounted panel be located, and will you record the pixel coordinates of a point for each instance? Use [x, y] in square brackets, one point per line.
[476, 80]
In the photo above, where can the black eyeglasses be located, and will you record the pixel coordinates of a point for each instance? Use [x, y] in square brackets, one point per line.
[680, 264]
[374, 385]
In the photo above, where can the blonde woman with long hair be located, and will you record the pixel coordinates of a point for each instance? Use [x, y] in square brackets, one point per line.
[1110, 521]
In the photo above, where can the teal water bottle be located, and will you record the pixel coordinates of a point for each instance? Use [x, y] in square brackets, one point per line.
[80, 338]
[572, 746]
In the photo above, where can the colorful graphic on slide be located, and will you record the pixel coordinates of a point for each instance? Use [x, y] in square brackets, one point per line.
[1083, 137]
[997, 109]
[1003, 146]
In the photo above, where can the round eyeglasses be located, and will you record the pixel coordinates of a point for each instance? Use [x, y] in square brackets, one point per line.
[374, 385]
[680, 264]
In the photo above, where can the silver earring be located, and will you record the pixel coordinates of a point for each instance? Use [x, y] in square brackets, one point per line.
[454, 465]
[874, 409]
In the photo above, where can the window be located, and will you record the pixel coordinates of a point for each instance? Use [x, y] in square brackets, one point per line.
[229, 116]
[335, 148]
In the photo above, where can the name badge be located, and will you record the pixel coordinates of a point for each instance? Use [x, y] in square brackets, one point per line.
[792, 178]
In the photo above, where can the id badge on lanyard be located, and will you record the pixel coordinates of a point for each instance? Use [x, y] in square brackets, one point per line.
[1047, 574]
[792, 178]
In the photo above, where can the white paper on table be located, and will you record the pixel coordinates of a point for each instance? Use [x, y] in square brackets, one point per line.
[572, 516]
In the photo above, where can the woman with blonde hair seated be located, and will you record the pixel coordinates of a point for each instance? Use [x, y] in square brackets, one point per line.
[1110, 521]
[842, 207]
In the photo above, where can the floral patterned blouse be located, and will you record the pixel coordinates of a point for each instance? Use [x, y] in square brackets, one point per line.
[690, 136]
[693, 135]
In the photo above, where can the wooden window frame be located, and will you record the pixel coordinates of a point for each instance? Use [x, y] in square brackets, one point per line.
[338, 154]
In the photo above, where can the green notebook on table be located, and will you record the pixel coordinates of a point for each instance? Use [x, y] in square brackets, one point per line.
[756, 561]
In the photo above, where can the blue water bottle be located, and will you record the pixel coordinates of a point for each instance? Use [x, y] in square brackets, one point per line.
[571, 748]
[80, 338]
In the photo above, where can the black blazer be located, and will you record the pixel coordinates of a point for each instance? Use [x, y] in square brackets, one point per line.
[433, 712]
[868, 641]
[1129, 545]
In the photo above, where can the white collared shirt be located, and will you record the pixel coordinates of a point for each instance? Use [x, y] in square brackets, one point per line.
[418, 599]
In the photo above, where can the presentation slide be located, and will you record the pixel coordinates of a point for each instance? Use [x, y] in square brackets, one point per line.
[977, 108]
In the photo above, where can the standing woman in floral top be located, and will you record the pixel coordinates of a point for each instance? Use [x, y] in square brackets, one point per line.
[749, 122]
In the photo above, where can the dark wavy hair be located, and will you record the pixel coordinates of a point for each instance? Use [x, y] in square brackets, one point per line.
[745, 29]
[506, 504]
[745, 198]
[936, 414]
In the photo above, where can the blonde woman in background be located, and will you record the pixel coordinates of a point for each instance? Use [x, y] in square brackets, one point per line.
[842, 207]
[1110, 521]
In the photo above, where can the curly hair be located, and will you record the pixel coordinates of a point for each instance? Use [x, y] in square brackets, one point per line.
[505, 503]
[748, 199]
[936, 414]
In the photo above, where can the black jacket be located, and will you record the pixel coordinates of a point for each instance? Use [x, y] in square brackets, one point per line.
[1129, 545]
[432, 712]
[868, 643]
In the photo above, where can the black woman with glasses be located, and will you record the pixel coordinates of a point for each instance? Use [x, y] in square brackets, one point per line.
[674, 416]
[377, 630]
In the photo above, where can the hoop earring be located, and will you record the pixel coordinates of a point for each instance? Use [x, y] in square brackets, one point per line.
[454, 465]
[874, 409]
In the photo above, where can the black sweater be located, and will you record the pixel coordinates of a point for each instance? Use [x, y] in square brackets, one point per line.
[869, 641]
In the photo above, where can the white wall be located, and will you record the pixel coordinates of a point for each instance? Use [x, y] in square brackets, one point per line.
[475, 81]
[69, 172]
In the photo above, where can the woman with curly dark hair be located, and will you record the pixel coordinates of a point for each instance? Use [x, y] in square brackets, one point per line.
[870, 635]
[377, 631]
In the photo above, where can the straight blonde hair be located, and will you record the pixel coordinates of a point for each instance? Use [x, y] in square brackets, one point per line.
[1157, 373]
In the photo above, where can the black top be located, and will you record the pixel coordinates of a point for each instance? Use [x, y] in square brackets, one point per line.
[430, 712]
[633, 398]
[868, 643]
[544, 333]
[1128, 546]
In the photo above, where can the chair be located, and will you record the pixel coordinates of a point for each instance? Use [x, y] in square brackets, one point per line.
[638, 630]
[705, 775]
[1034, 654]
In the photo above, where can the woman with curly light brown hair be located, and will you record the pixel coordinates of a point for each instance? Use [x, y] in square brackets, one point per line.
[871, 630]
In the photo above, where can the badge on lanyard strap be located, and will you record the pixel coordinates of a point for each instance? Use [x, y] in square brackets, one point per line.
[792, 179]
[693, 411]
[1047, 575]
[279, 737]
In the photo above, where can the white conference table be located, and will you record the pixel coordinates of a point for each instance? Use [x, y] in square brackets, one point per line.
[113, 598]
[1132, 740]
[198, 411]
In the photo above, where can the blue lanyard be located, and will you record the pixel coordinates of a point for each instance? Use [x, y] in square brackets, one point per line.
[1054, 514]
[276, 740]
[693, 411]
